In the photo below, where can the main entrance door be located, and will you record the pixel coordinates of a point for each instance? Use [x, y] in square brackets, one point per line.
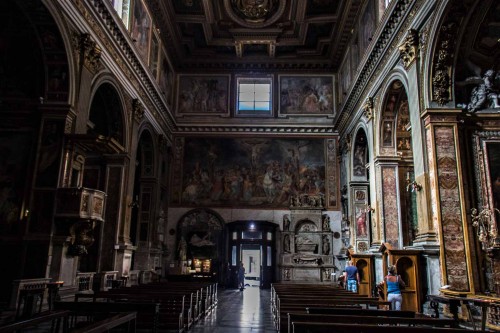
[253, 243]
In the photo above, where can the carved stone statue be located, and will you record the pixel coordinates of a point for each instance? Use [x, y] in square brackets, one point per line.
[326, 222]
[286, 222]
[485, 94]
[326, 245]
[182, 250]
[344, 199]
[286, 244]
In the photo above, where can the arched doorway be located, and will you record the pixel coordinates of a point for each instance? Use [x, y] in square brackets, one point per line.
[200, 244]
[145, 206]
[254, 244]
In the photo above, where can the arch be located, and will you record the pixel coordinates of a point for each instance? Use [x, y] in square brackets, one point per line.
[106, 112]
[393, 138]
[202, 230]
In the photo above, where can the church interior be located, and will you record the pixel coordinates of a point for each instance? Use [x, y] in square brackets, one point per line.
[150, 141]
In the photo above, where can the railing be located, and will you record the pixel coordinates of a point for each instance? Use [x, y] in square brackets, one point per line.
[85, 281]
[27, 284]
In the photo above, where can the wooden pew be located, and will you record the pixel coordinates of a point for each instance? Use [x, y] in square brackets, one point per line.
[321, 318]
[316, 327]
[171, 307]
[53, 317]
[360, 312]
[104, 325]
[189, 306]
[147, 313]
[292, 304]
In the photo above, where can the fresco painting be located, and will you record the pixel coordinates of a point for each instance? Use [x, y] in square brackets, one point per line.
[256, 172]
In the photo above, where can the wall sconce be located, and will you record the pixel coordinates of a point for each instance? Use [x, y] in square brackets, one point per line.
[412, 186]
[134, 203]
[486, 229]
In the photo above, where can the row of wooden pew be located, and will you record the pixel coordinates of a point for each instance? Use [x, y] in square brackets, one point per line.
[178, 305]
[301, 308]
[154, 307]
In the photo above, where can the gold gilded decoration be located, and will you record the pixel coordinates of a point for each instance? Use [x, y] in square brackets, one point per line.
[408, 50]
[368, 110]
[90, 52]
[441, 78]
[254, 9]
[137, 109]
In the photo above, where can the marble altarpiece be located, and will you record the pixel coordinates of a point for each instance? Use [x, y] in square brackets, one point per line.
[307, 241]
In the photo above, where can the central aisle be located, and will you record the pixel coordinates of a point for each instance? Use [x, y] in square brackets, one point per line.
[239, 311]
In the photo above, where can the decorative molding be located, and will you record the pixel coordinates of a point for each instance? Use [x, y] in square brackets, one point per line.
[310, 130]
[91, 53]
[443, 54]
[408, 51]
[137, 110]
[368, 108]
[162, 143]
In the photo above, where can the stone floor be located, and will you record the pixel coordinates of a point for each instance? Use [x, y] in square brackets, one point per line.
[239, 312]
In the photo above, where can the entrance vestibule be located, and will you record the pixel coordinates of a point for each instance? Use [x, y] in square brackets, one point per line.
[253, 243]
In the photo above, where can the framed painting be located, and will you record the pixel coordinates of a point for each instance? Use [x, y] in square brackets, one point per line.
[387, 133]
[166, 78]
[487, 156]
[306, 95]
[345, 77]
[203, 95]
[252, 172]
[154, 54]
[141, 29]
[367, 25]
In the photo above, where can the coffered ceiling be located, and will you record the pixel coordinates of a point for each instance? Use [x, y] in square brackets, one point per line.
[256, 34]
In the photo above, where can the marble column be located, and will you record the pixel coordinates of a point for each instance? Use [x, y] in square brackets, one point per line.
[389, 206]
[447, 202]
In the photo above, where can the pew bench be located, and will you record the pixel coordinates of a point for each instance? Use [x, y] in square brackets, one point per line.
[321, 318]
[127, 319]
[58, 320]
[172, 315]
[147, 313]
[318, 327]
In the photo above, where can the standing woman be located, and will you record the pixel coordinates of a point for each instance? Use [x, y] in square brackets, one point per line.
[394, 286]
[241, 276]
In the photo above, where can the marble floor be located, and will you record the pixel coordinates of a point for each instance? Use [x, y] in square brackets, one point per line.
[239, 312]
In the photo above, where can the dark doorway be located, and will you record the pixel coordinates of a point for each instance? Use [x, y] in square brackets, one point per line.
[254, 243]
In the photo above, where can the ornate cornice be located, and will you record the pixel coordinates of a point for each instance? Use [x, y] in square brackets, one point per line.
[408, 51]
[252, 130]
[368, 108]
[137, 110]
[397, 22]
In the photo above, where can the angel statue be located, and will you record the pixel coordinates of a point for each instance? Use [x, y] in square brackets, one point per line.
[485, 94]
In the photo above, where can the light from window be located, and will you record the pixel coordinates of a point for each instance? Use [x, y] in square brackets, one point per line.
[122, 9]
[254, 95]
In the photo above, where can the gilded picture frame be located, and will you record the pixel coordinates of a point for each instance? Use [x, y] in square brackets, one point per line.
[306, 95]
[206, 95]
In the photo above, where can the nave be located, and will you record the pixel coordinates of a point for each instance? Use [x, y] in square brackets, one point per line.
[239, 312]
